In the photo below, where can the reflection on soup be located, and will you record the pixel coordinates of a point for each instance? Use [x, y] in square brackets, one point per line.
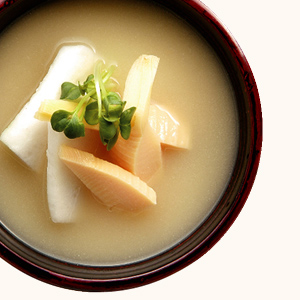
[191, 84]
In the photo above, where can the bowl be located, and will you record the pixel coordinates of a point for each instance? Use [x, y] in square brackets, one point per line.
[120, 277]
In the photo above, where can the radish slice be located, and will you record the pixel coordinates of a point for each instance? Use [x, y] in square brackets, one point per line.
[27, 136]
[62, 186]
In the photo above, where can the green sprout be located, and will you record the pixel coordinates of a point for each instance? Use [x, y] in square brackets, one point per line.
[96, 105]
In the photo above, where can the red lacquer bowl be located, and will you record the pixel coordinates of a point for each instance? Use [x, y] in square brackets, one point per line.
[210, 231]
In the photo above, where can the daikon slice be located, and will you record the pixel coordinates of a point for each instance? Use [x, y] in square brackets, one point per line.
[62, 186]
[27, 136]
[112, 185]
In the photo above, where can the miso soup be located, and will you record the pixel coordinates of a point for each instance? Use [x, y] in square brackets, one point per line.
[191, 83]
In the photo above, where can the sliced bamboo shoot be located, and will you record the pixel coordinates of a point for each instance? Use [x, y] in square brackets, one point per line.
[138, 87]
[170, 131]
[140, 155]
[27, 136]
[48, 107]
[112, 185]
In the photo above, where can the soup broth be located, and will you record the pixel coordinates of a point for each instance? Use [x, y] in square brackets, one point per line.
[191, 84]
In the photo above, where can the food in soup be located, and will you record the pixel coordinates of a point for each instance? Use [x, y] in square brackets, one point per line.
[93, 103]
[191, 88]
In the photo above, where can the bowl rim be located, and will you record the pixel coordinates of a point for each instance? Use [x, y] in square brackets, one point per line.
[34, 264]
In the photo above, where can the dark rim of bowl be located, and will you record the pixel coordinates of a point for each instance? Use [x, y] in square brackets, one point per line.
[111, 278]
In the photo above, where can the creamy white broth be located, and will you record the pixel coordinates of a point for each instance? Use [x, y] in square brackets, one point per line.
[191, 83]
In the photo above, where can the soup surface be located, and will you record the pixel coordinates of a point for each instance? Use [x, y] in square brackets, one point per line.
[191, 83]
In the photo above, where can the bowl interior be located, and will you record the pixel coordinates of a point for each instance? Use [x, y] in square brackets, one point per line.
[92, 278]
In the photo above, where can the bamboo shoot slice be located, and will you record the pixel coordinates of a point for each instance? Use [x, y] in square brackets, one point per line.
[48, 107]
[112, 185]
[171, 133]
[138, 87]
[140, 155]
